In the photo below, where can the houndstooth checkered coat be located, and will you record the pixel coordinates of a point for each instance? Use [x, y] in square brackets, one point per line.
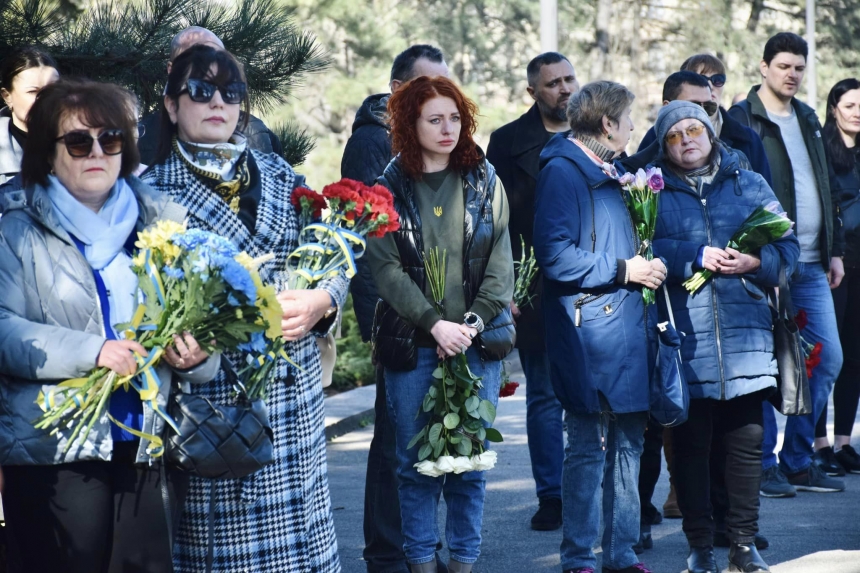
[279, 519]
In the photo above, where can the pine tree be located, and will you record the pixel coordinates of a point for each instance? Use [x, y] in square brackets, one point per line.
[128, 43]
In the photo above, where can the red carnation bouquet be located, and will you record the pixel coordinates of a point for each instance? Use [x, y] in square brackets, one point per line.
[811, 351]
[334, 226]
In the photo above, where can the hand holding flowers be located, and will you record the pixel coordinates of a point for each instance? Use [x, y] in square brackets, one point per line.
[642, 192]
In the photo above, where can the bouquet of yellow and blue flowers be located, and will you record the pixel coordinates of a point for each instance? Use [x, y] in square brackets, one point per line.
[188, 281]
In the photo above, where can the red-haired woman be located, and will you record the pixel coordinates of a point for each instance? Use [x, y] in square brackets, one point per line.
[447, 196]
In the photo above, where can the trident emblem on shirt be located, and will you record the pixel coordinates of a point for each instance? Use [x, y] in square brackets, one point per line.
[437, 211]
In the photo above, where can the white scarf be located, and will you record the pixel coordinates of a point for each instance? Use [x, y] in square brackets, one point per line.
[104, 235]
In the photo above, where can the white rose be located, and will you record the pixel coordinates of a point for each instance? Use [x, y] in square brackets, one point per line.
[445, 464]
[485, 461]
[427, 468]
[463, 464]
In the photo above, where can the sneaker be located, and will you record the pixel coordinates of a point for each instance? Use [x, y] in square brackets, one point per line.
[849, 459]
[826, 460]
[814, 479]
[580, 570]
[548, 515]
[635, 568]
[775, 484]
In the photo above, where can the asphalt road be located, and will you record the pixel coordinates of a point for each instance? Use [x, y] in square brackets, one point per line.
[812, 533]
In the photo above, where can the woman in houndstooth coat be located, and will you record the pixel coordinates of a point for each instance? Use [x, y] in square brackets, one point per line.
[278, 519]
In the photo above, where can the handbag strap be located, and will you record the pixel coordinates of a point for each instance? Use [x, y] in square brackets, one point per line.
[784, 305]
[669, 306]
[233, 378]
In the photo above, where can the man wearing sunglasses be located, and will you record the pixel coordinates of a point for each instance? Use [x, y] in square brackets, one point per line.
[691, 84]
[259, 137]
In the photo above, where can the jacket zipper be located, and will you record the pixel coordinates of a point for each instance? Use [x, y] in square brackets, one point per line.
[715, 306]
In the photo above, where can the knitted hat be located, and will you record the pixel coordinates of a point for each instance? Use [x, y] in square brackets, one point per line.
[674, 112]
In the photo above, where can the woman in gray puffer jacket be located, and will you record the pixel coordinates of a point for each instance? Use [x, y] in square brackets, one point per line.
[102, 503]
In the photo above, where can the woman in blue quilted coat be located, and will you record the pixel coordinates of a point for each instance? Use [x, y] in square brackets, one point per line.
[278, 519]
[728, 352]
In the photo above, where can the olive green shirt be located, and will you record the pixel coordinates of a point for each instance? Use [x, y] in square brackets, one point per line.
[440, 200]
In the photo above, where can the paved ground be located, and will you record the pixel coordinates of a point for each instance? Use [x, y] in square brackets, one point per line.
[812, 533]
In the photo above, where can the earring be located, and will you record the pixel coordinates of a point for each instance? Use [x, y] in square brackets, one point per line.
[609, 136]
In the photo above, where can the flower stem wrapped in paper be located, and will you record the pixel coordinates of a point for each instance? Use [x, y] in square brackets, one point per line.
[642, 192]
[452, 441]
[334, 226]
[188, 281]
[765, 225]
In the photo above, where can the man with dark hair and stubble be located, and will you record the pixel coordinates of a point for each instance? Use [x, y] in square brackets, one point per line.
[791, 134]
[514, 150]
[367, 153]
[258, 136]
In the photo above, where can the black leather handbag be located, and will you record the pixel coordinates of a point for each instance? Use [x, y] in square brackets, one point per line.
[499, 336]
[219, 441]
[792, 397]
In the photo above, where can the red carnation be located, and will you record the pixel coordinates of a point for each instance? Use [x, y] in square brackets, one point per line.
[345, 197]
[814, 359]
[801, 320]
[309, 203]
[508, 389]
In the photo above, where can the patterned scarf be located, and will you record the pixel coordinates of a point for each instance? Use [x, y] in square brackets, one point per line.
[222, 167]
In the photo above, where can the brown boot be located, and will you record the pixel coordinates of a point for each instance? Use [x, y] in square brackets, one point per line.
[670, 508]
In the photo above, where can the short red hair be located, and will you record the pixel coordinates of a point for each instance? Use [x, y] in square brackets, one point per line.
[404, 109]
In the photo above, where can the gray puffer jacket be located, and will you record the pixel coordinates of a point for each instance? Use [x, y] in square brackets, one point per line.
[10, 152]
[51, 327]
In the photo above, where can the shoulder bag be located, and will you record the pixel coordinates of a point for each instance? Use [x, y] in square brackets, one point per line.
[792, 397]
[669, 396]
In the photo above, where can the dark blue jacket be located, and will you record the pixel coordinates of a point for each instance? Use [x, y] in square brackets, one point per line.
[728, 350]
[582, 229]
[845, 191]
[733, 133]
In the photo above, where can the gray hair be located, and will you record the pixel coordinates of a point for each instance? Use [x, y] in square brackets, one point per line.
[587, 107]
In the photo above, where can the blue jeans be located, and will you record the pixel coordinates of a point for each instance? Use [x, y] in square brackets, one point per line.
[598, 481]
[810, 292]
[544, 425]
[419, 494]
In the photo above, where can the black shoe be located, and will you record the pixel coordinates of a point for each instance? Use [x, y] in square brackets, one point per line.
[849, 459]
[813, 479]
[635, 568]
[548, 516]
[702, 560]
[645, 542]
[658, 519]
[721, 539]
[745, 559]
[826, 460]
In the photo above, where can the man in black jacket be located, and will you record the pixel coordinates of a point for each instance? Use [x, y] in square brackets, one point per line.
[259, 136]
[791, 134]
[365, 157]
[514, 150]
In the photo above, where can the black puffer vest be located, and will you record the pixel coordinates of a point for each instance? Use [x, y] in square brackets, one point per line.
[394, 340]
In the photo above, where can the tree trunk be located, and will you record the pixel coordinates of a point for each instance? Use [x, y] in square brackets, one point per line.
[755, 13]
[600, 53]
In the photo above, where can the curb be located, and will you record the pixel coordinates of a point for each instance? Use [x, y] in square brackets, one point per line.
[350, 424]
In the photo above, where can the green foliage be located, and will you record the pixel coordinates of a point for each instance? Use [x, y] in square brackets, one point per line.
[353, 367]
[128, 43]
[297, 143]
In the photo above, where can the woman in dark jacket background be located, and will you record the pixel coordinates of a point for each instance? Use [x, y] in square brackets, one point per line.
[728, 352]
[843, 163]
[597, 332]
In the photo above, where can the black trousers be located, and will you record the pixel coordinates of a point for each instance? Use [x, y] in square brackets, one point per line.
[383, 540]
[650, 463]
[740, 423]
[91, 517]
[846, 390]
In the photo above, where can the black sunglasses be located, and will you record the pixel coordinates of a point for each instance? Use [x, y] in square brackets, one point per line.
[80, 143]
[201, 91]
[709, 106]
[719, 80]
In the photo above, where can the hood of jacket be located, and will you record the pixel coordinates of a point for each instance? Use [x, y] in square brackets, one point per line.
[560, 146]
[373, 111]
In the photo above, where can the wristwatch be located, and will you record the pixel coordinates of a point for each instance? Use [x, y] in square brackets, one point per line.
[332, 309]
[474, 321]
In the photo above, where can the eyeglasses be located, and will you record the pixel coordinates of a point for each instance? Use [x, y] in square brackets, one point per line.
[709, 106]
[676, 137]
[719, 80]
[80, 143]
[201, 91]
